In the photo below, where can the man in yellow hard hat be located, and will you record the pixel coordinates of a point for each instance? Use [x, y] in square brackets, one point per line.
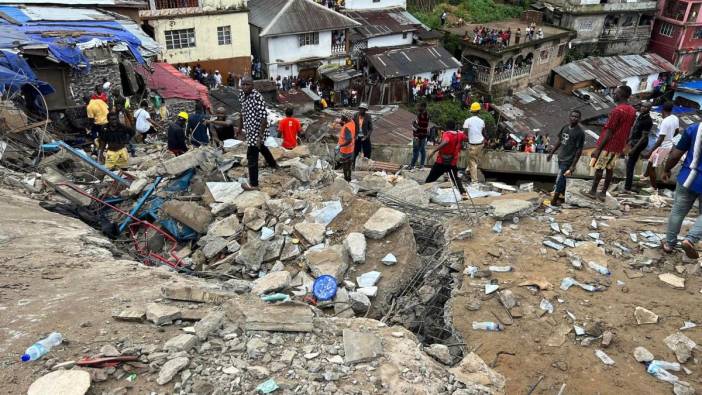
[474, 128]
[176, 134]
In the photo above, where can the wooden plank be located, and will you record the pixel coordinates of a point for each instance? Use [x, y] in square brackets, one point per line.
[39, 124]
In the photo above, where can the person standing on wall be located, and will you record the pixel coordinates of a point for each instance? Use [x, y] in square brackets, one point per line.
[419, 139]
[253, 124]
[638, 141]
[571, 140]
[364, 129]
[474, 128]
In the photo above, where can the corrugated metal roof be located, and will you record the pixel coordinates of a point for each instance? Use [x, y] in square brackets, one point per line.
[38, 13]
[376, 23]
[609, 71]
[120, 3]
[405, 62]
[281, 17]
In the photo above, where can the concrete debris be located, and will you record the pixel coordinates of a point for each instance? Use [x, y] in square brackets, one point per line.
[161, 314]
[383, 222]
[411, 192]
[222, 192]
[368, 279]
[641, 354]
[681, 345]
[360, 303]
[313, 233]
[64, 382]
[644, 316]
[284, 317]
[361, 347]
[180, 343]
[195, 294]
[389, 260]
[171, 368]
[249, 199]
[226, 227]
[190, 213]
[330, 260]
[371, 292]
[271, 282]
[509, 208]
[108, 350]
[440, 352]
[355, 245]
[326, 214]
[672, 280]
[473, 370]
[209, 324]
[131, 314]
[342, 304]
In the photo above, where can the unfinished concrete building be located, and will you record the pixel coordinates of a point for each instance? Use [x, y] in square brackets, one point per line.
[603, 27]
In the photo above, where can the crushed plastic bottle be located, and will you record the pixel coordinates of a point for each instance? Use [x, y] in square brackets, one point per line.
[497, 228]
[598, 268]
[500, 269]
[487, 326]
[604, 357]
[666, 365]
[546, 306]
[42, 347]
[658, 372]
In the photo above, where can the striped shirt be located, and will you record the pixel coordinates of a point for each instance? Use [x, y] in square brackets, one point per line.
[690, 175]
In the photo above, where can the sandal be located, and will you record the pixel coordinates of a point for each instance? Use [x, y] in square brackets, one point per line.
[667, 248]
[689, 249]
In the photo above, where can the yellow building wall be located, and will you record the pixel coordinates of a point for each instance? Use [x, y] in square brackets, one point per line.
[206, 44]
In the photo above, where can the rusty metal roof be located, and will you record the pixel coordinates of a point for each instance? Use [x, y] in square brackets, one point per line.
[375, 23]
[411, 61]
[281, 17]
[610, 71]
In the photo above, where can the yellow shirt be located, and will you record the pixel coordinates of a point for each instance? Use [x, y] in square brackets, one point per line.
[97, 110]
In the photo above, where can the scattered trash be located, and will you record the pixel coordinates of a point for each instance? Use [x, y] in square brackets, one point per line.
[490, 288]
[593, 224]
[579, 330]
[487, 326]
[598, 268]
[546, 306]
[324, 287]
[569, 282]
[132, 378]
[688, 325]
[276, 297]
[604, 357]
[659, 370]
[644, 316]
[500, 269]
[267, 386]
[471, 271]
[42, 347]
[389, 260]
[497, 228]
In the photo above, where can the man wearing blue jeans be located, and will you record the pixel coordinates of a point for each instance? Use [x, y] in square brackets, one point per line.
[687, 191]
[419, 136]
[571, 138]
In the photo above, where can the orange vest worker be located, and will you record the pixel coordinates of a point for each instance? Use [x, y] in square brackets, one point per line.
[347, 149]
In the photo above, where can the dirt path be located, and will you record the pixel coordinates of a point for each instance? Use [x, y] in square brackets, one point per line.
[572, 363]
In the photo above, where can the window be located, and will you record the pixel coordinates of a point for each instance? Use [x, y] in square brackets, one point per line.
[182, 38]
[561, 50]
[697, 34]
[404, 35]
[666, 30]
[224, 35]
[308, 39]
[544, 55]
[643, 85]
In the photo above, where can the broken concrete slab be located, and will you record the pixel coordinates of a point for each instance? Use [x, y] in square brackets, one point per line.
[313, 233]
[342, 304]
[171, 368]
[290, 251]
[473, 370]
[189, 213]
[182, 342]
[209, 324]
[251, 254]
[274, 248]
[198, 157]
[195, 294]
[64, 382]
[131, 314]
[644, 316]
[368, 279]
[440, 352]
[410, 191]
[355, 245]
[250, 199]
[361, 347]
[226, 227]
[681, 345]
[672, 280]
[641, 354]
[329, 261]
[161, 314]
[283, 317]
[221, 192]
[383, 222]
[509, 208]
[575, 195]
[214, 246]
[271, 282]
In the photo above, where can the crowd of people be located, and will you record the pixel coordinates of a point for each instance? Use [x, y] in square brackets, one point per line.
[500, 38]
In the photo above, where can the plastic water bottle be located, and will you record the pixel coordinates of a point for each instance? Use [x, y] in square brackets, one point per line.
[486, 326]
[42, 347]
[661, 374]
[598, 268]
[666, 365]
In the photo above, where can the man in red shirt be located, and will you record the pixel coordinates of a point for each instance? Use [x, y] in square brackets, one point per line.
[448, 151]
[612, 141]
[288, 128]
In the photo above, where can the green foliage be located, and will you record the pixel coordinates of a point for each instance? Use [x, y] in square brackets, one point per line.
[442, 111]
[472, 11]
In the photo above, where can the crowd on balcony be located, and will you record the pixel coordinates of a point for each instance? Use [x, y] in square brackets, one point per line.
[499, 38]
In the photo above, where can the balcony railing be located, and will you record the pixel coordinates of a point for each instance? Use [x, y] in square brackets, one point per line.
[626, 32]
[338, 49]
[165, 4]
[508, 75]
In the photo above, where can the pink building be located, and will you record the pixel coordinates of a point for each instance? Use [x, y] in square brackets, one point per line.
[677, 33]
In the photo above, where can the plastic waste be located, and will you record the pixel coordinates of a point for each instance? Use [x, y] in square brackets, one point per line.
[497, 228]
[324, 287]
[569, 282]
[546, 306]
[487, 326]
[471, 271]
[658, 372]
[604, 357]
[598, 268]
[42, 347]
[500, 269]
[674, 366]
[688, 325]
[277, 297]
[326, 214]
[267, 386]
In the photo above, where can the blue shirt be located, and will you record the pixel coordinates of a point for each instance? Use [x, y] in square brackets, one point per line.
[690, 175]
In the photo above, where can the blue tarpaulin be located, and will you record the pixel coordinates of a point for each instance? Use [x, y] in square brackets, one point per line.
[15, 72]
[676, 109]
[696, 84]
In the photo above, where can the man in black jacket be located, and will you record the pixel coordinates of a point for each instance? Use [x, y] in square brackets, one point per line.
[364, 129]
[638, 141]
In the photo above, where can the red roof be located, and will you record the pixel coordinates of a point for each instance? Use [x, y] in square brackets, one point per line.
[171, 84]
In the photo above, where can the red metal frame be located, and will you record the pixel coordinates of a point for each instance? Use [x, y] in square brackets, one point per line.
[140, 248]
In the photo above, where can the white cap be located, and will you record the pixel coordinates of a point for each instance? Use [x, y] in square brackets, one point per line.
[106, 85]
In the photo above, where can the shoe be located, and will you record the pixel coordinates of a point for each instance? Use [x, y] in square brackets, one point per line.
[248, 187]
[689, 249]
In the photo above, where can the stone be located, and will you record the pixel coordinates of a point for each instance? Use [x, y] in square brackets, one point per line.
[672, 280]
[681, 345]
[233, 246]
[182, 342]
[64, 382]
[507, 298]
[208, 324]
[131, 314]
[683, 388]
[368, 279]
[299, 170]
[440, 352]
[222, 192]
[231, 370]
[644, 316]
[237, 285]
[383, 222]
[271, 282]
[374, 183]
[250, 199]
[214, 247]
[360, 303]
[473, 370]
[256, 347]
[607, 338]
[226, 227]
[312, 233]
[161, 314]
[368, 291]
[342, 304]
[108, 350]
[464, 235]
[575, 195]
[641, 354]
[273, 249]
[327, 261]
[389, 260]
[361, 347]
[355, 245]
[251, 254]
[189, 213]
[509, 208]
[303, 280]
[171, 368]
[290, 251]
[410, 191]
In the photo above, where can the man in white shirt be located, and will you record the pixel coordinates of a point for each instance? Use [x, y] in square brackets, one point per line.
[142, 121]
[474, 128]
[664, 143]
[217, 79]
